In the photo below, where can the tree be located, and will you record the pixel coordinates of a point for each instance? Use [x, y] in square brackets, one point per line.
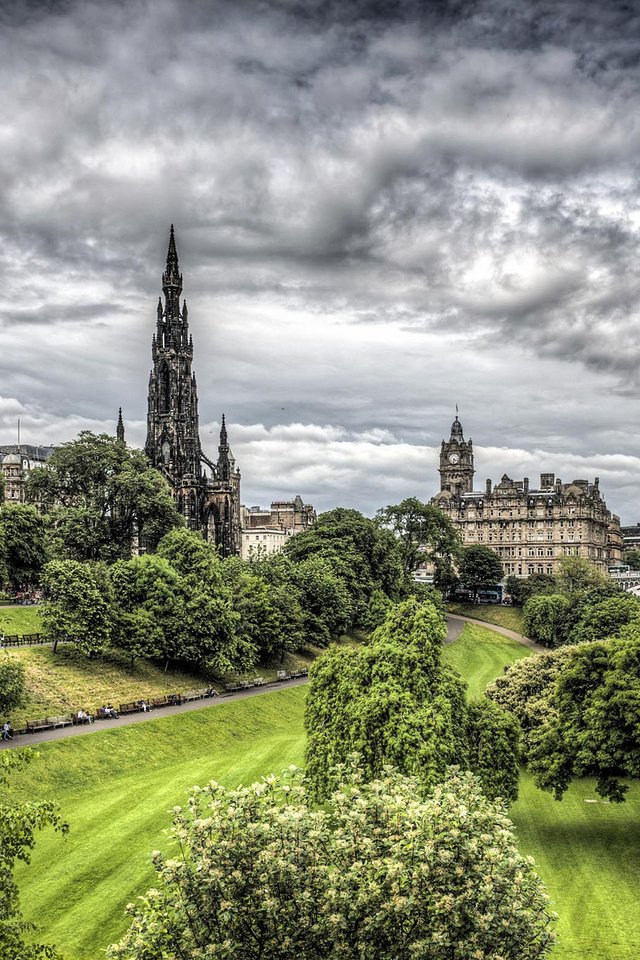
[577, 575]
[366, 557]
[425, 533]
[547, 619]
[100, 496]
[23, 535]
[480, 568]
[19, 823]
[324, 599]
[394, 702]
[76, 609]
[520, 589]
[592, 725]
[605, 618]
[376, 873]
[632, 557]
[12, 685]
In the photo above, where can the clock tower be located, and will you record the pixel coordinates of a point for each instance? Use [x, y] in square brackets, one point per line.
[456, 462]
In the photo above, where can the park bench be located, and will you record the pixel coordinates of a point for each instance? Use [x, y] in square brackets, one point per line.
[259, 682]
[81, 720]
[282, 675]
[295, 674]
[65, 721]
[193, 695]
[232, 687]
[130, 707]
[10, 640]
[172, 700]
[33, 725]
[101, 714]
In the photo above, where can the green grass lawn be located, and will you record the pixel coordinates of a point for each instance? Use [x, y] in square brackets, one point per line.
[509, 617]
[117, 787]
[20, 620]
[116, 790]
[481, 654]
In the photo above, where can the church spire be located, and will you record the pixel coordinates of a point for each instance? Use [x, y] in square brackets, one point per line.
[172, 280]
[224, 453]
[120, 426]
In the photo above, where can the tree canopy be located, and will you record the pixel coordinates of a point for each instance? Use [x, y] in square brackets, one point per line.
[99, 495]
[395, 702]
[363, 555]
[24, 551]
[479, 567]
[376, 873]
[425, 534]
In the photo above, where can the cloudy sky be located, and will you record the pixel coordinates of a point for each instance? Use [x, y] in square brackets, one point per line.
[380, 213]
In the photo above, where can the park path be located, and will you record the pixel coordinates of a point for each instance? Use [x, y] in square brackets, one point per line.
[518, 637]
[455, 626]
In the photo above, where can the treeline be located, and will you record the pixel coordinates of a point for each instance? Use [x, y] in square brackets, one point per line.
[184, 603]
[581, 603]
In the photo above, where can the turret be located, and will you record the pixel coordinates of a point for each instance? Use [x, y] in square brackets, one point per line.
[120, 427]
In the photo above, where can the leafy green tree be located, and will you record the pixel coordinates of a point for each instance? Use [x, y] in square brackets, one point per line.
[76, 609]
[377, 610]
[100, 496]
[521, 588]
[4, 572]
[547, 619]
[632, 557]
[425, 534]
[577, 575]
[19, 823]
[394, 702]
[592, 725]
[324, 599]
[377, 873]
[12, 683]
[366, 557]
[603, 619]
[270, 618]
[23, 535]
[524, 690]
[479, 568]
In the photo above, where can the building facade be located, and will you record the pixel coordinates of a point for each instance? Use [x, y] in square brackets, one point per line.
[261, 542]
[292, 516]
[209, 501]
[530, 529]
[16, 462]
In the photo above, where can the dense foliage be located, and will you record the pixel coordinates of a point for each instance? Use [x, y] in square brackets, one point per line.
[579, 709]
[425, 534]
[395, 702]
[12, 684]
[365, 557]
[100, 496]
[19, 823]
[376, 873]
[480, 567]
[24, 551]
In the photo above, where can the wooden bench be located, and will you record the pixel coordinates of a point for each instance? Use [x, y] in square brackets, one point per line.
[172, 700]
[232, 687]
[193, 695]
[282, 675]
[130, 707]
[101, 714]
[75, 718]
[33, 725]
[295, 674]
[259, 682]
[56, 722]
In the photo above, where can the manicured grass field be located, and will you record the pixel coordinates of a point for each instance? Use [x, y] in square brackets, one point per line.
[509, 617]
[481, 655]
[20, 620]
[116, 790]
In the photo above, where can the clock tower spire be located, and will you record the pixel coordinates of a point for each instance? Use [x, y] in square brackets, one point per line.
[456, 461]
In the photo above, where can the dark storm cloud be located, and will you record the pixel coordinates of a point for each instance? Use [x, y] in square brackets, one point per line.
[381, 208]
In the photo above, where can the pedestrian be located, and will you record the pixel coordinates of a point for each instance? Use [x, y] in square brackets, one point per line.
[7, 732]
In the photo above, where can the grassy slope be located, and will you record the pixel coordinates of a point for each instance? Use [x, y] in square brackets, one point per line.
[76, 888]
[481, 655]
[588, 853]
[20, 620]
[509, 617]
[63, 682]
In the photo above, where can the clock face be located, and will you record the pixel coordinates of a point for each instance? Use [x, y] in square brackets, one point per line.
[454, 458]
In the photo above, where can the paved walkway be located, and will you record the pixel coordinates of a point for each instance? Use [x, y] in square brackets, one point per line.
[455, 626]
